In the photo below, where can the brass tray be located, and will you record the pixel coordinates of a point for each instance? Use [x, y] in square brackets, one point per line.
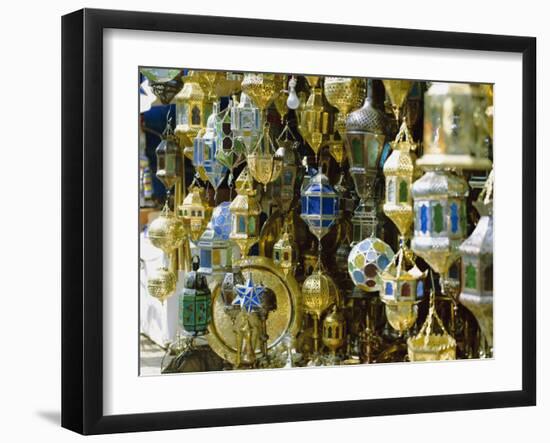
[286, 319]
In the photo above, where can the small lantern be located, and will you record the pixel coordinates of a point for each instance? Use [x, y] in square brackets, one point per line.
[440, 218]
[195, 211]
[364, 220]
[165, 83]
[399, 172]
[216, 84]
[191, 110]
[449, 129]
[264, 164]
[283, 189]
[366, 261]
[168, 158]
[334, 332]
[315, 118]
[216, 250]
[167, 231]
[162, 284]
[397, 91]
[319, 205]
[477, 265]
[245, 214]
[345, 94]
[227, 148]
[204, 152]
[245, 121]
[195, 302]
[285, 252]
[262, 88]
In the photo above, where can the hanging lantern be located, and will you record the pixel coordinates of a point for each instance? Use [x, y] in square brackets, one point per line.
[482, 95]
[168, 157]
[440, 218]
[285, 252]
[477, 265]
[397, 91]
[310, 259]
[449, 129]
[319, 205]
[432, 341]
[245, 214]
[345, 94]
[402, 288]
[245, 122]
[399, 172]
[162, 284]
[366, 261]
[216, 249]
[262, 88]
[195, 302]
[315, 119]
[195, 211]
[167, 231]
[281, 99]
[364, 220]
[334, 332]
[227, 148]
[165, 83]
[283, 189]
[191, 111]
[204, 152]
[216, 84]
[264, 164]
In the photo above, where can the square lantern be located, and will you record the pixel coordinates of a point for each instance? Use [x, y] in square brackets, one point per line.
[195, 212]
[191, 110]
[319, 205]
[245, 121]
[227, 147]
[195, 302]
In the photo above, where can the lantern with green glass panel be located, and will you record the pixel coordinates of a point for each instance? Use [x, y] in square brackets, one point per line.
[245, 122]
[195, 302]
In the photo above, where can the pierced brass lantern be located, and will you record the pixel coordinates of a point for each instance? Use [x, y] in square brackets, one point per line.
[262, 88]
[264, 163]
[166, 232]
[162, 284]
[195, 211]
[345, 94]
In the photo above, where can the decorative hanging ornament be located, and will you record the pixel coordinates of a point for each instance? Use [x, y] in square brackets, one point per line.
[262, 88]
[216, 84]
[228, 150]
[397, 91]
[264, 163]
[195, 211]
[285, 252]
[449, 129]
[245, 121]
[440, 222]
[345, 94]
[167, 231]
[319, 205]
[399, 172]
[477, 265]
[191, 112]
[195, 302]
[162, 284]
[168, 157]
[366, 261]
[334, 332]
[245, 213]
[432, 341]
[165, 83]
[204, 152]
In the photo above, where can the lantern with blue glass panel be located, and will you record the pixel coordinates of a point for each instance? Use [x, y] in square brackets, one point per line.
[216, 249]
[366, 261]
[440, 222]
[319, 205]
[204, 152]
[195, 302]
[227, 148]
[245, 122]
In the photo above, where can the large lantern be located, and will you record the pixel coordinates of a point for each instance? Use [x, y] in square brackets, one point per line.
[245, 214]
[216, 249]
[264, 164]
[245, 121]
[195, 302]
[204, 152]
[319, 205]
[195, 211]
[477, 266]
[191, 111]
[440, 218]
[449, 129]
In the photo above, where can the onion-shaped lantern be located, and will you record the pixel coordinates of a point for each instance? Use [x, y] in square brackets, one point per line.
[195, 212]
[245, 121]
[195, 302]
[264, 163]
[191, 111]
[366, 261]
[167, 231]
[319, 205]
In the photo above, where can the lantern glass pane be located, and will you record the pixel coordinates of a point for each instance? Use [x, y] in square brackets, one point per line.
[216, 257]
[251, 225]
[424, 218]
[242, 224]
[390, 187]
[314, 205]
[488, 278]
[196, 116]
[206, 258]
[454, 217]
[373, 148]
[403, 192]
[357, 152]
[328, 206]
[471, 276]
[438, 221]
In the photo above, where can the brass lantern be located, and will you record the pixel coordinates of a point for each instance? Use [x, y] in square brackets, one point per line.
[162, 284]
[245, 121]
[245, 214]
[264, 163]
[397, 91]
[477, 265]
[166, 232]
[191, 111]
[168, 158]
[285, 252]
[315, 118]
[216, 84]
[195, 211]
[399, 172]
[334, 332]
[440, 218]
[449, 129]
[345, 94]
[262, 88]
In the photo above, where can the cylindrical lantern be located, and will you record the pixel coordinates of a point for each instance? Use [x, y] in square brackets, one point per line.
[195, 302]
[319, 205]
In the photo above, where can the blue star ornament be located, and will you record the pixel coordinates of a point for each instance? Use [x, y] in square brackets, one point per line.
[249, 296]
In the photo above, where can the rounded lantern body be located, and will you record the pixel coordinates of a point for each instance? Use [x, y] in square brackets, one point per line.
[162, 284]
[319, 205]
[195, 302]
[319, 292]
[345, 94]
[366, 261]
[166, 232]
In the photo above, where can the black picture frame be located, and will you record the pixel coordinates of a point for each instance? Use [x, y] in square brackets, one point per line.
[82, 218]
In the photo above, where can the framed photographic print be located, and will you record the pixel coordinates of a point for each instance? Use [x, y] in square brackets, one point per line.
[273, 221]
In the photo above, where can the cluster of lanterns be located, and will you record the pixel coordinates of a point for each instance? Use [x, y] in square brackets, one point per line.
[424, 198]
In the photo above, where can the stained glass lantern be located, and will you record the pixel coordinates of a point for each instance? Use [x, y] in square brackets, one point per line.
[245, 214]
[216, 249]
[399, 173]
[440, 218]
[168, 158]
[283, 189]
[204, 152]
[315, 118]
[162, 284]
[191, 111]
[195, 302]
[449, 129]
[195, 211]
[319, 205]
[477, 266]
[165, 83]
[245, 122]
[285, 252]
[227, 148]
[366, 261]
[264, 163]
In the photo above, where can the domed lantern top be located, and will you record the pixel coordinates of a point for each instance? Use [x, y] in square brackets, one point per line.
[319, 205]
